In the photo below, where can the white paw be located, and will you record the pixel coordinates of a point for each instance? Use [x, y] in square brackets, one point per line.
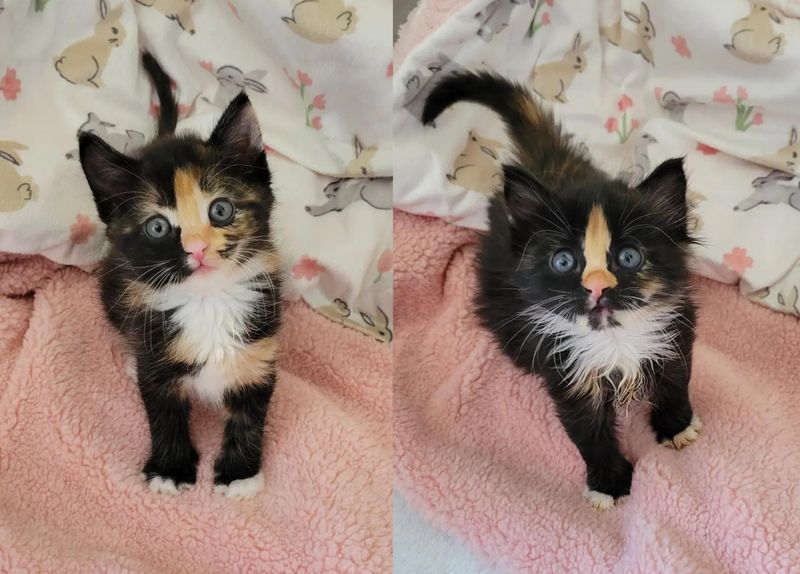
[599, 500]
[161, 485]
[686, 437]
[243, 488]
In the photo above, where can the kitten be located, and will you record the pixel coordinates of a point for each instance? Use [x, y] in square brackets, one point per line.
[191, 282]
[584, 280]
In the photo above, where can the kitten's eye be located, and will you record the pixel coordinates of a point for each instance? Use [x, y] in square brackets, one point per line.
[629, 258]
[563, 261]
[221, 211]
[157, 227]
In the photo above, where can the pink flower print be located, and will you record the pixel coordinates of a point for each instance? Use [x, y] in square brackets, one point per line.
[535, 24]
[10, 85]
[316, 123]
[741, 93]
[82, 229]
[659, 92]
[206, 65]
[634, 124]
[706, 149]
[758, 119]
[155, 109]
[721, 96]
[679, 42]
[737, 260]
[307, 268]
[545, 18]
[611, 125]
[624, 103]
[390, 70]
[318, 102]
[385, 261]
[303, 78]
[549, 2]
[234, 10]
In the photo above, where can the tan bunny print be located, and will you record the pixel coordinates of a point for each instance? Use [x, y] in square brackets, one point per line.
[178, 10]
[83, 62]
[15, 190]
[478, 166]
[754, 39]
[552, 80]
[361, 164]
[786, 158]
[376, 326]
[637, 42]
[321, 21]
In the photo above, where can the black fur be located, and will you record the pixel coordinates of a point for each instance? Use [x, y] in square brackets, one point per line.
[544, 207]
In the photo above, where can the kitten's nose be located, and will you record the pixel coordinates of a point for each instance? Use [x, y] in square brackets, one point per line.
[596, 284]
[196, 248]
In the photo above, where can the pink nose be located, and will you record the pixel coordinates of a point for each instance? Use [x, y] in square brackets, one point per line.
[595, 286]
[196, 248]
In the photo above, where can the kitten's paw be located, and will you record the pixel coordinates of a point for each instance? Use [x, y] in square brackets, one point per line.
[599, 500]
[686, 437]
[165, 485]
[243, 488]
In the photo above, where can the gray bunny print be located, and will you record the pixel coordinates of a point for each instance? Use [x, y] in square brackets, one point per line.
[676, 105]
[232, 81]
[494, 18]
[641, 160]
[122, 142]
[776, 187]
[418, 90]
[342, 192]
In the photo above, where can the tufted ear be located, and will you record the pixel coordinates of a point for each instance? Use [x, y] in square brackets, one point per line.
[667, 184]
[112, 176]
[237, 133]
[524, 194]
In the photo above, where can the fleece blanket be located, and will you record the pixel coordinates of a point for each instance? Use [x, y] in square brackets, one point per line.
[69, 67]
[637, 82]
[480, 451]
[73, 436]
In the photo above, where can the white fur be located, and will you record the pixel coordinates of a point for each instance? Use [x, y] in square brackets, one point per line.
[599, 500]
[686, 437]
[162, 485]
[243, 488]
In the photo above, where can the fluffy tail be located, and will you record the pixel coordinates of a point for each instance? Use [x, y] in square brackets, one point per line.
[168, 118]
[541, 145]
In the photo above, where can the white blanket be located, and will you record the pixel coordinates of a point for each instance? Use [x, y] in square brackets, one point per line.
[71, 66]
[637, 82]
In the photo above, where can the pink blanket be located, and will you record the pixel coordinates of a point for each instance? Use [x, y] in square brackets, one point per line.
[479, 450]
[73, 436]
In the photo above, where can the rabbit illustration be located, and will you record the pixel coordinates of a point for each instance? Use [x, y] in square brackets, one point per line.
[376, 326]
[637, 42]
[788, 301]
[83, 62]
[641, 160]
[15, 190]
[361, 164]
[418, 89]
[776, 187]
[478, 166]
[694, 222]
[494, 18]
[123, 142]
[676, 105]
[552, 80]
[754, 39]
[785, 158]
[321, 21]
[232, 81]
[178, 10]
[343, 192]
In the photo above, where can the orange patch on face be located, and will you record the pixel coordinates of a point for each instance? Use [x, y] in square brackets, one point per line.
[595, 249]
[192, 212]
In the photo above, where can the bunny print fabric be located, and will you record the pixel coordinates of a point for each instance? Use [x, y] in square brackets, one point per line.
[71, 67]
[637, 83]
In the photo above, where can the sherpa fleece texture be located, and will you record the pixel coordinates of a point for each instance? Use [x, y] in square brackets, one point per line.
[480, 452]
[73, 438]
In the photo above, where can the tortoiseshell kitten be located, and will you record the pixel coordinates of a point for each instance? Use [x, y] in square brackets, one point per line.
[584, 280]
[191, 282]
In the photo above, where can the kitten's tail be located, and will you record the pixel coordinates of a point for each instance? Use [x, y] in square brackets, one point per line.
[168, 117]
[540, 143]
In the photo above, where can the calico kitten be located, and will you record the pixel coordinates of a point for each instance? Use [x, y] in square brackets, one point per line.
[191, 282]
[584, 280]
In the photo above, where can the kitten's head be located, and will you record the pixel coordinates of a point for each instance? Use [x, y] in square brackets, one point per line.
[186, 207]
[599, 254]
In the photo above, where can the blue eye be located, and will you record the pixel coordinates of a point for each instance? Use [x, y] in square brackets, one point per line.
[629, 258]
[221, 211]
[562, 261]
[157, 227]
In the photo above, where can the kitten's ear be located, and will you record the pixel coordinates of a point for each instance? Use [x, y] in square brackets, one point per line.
[667, 183]
[523, 192]
[112, 176]
[237, 133]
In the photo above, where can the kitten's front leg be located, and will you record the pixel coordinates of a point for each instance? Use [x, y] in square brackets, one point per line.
[172, 465]
[237, 471]
[592, 430]
[672, 417]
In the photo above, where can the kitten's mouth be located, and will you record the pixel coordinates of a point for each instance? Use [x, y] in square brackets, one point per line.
[601, 317]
